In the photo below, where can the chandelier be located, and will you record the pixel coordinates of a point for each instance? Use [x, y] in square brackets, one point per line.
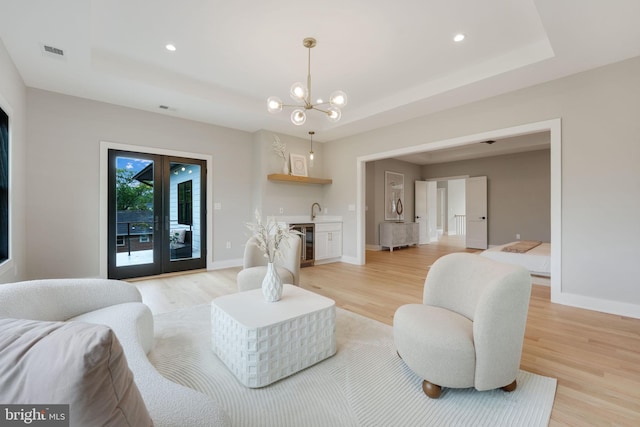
[302, 95]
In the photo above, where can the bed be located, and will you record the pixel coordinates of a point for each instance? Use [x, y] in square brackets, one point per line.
[537, 260]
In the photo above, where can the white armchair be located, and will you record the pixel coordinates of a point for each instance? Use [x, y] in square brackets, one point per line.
[469, 331]
[254, 265]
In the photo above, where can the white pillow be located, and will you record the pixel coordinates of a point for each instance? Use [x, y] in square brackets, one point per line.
[75, 363]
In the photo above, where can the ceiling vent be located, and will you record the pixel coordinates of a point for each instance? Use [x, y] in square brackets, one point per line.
[52, 51]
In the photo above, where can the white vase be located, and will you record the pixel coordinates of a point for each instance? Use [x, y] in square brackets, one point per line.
[285, 167]
[272, 284]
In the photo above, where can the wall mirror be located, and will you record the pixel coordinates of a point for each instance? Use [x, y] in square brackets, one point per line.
[393, 196]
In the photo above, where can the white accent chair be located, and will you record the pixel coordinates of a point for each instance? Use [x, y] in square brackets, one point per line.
[469, 331]
[254, 266]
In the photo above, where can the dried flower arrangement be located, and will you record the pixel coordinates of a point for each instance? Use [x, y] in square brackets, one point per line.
[270, 236]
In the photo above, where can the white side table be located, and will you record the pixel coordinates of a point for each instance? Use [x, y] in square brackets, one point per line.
[262, 342]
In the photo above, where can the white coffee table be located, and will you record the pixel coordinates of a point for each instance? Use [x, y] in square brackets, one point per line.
[262, 342]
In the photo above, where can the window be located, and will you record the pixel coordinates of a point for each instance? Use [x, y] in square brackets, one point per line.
[144, 238]
[185, 209]
[119, 240]
[4, 186]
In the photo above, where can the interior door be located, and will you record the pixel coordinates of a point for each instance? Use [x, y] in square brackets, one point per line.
[476, 212]
[426, 212]
[432, 210]
[421, 214]
[157, 215]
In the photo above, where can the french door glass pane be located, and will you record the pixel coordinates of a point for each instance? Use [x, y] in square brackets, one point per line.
[134, 211]
[184, 211]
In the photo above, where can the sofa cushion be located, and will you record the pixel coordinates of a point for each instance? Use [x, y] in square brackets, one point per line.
[73, 363]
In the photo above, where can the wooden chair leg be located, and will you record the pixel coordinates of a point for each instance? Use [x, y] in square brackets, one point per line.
[431, 390]
[509, 388]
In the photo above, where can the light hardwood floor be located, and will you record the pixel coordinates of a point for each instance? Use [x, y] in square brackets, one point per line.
[594, 356]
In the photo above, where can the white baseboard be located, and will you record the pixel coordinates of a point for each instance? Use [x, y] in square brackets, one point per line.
[218, 265]
[350, 260]
[539, 280]
[373, 247]
[326, 261]
[596, 304]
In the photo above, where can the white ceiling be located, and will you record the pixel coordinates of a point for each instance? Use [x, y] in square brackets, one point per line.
[396, 60]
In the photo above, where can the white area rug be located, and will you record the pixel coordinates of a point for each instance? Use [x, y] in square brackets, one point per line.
[364, 384]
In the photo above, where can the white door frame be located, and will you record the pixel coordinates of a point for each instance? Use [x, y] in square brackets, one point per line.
[552, 126]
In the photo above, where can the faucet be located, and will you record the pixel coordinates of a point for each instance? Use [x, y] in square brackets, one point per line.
[313, 215]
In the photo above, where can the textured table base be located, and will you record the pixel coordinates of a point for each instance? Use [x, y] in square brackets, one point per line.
[259, 355]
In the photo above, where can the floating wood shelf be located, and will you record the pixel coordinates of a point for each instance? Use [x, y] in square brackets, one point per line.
[297, 179]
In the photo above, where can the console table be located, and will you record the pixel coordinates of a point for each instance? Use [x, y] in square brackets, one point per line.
[396, 234]
[261, 342]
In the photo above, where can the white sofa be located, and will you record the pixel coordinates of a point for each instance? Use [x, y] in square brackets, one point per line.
[118, 305]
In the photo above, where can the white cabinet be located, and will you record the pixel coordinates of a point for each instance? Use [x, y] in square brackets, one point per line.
[328, 240]
[395, 234]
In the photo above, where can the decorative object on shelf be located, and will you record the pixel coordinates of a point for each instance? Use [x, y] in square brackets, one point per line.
[302, 95]
[298, 165]
[280, 148]
[270, 238]
[311, 155]
[393, 196]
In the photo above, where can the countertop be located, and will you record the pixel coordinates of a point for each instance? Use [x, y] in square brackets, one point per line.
[306, 219]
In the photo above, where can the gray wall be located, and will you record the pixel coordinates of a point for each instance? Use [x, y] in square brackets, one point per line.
[63, 177]
[600, 180]
[295, 199]
[375, 199]
[518, 193]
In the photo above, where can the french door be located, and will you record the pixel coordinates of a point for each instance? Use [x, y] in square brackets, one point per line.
[157, 214]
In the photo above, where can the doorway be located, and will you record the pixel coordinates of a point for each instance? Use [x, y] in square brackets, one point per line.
[156, 214]
[553, 126]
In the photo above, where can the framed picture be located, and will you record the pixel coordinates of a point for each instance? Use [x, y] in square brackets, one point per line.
[393, 196]
[298, 165]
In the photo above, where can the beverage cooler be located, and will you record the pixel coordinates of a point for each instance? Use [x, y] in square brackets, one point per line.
[306, 253]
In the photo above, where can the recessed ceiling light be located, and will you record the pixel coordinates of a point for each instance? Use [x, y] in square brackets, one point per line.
[458, 38]
[171, 47]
